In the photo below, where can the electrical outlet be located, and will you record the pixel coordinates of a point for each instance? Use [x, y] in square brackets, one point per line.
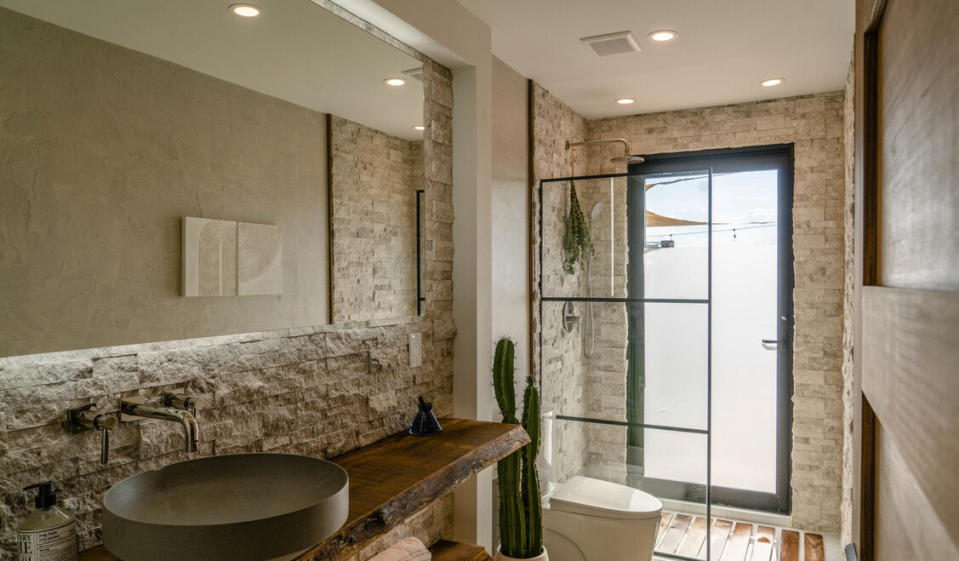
[416, 349]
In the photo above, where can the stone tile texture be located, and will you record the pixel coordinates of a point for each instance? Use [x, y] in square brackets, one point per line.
[561, 374]
[373, 182]
[849, 244]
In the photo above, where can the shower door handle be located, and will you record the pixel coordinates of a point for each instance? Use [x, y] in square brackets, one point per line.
[771, 344]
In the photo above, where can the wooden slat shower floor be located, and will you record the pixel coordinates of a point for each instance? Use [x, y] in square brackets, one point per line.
[731, 540]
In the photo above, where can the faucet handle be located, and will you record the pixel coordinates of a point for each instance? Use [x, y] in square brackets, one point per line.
[87, 417]
[180, 401]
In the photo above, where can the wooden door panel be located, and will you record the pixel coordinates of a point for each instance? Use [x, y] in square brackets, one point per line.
[917, 144]
[907, 526]
[910, 364]
[906, 359]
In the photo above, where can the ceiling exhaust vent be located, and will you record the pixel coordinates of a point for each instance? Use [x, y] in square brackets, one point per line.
[612, 43]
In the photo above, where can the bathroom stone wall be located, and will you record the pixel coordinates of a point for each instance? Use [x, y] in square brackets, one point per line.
[319, 390]
[561, 373]
[606, 366]
[373, 183]
[814, 124]
[574, 384]
[849, 205]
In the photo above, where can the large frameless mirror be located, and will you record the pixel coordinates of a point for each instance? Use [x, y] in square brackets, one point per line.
[285, 139]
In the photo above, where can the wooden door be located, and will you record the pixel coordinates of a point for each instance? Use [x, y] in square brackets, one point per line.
[906, 494]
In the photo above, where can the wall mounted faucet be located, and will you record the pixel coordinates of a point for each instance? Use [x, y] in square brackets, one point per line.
[177, 409]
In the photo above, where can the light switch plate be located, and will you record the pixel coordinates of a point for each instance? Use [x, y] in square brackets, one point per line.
[416, 349]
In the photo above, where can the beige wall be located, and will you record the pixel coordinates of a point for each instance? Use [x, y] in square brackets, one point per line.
[103, 150]
[510, 187]
[373, 182]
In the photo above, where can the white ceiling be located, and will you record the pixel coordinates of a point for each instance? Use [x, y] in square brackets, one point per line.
[724, 49]
[295, 51]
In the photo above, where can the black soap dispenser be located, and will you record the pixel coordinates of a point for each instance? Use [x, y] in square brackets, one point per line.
[425, 422]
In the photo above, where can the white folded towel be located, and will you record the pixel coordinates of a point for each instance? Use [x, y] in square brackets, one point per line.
[408, 549]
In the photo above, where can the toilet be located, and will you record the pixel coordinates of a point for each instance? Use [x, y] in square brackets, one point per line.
[589, 519]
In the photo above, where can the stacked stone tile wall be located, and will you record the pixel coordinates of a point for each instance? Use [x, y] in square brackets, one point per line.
[320, 390]
[814, 125]
[373, 182]
[606, 365]
[848, 311]
[574, 384]
[561, 373]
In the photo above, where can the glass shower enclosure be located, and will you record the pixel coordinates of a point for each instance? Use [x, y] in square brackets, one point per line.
[624, 335]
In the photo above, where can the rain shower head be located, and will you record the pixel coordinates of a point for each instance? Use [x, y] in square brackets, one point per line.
[626, 158]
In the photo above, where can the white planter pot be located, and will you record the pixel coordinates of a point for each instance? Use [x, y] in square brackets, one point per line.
[541, 557]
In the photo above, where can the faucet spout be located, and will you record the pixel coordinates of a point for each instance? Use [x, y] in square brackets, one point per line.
[191, 429]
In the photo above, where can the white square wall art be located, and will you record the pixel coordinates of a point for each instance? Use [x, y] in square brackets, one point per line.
[209, 257]
[259, 259]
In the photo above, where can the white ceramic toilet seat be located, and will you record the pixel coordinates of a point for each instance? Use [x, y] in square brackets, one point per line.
[592, 520]
[604, 499]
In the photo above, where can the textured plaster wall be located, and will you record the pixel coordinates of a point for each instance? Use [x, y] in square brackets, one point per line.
[102, 151]
[373, 183]
[510, 186]
[319, 390]
[814, 124]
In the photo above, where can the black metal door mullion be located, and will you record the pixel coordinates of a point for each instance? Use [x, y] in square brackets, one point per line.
[635, 313]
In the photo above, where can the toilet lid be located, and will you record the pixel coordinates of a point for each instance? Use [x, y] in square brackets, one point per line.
[593, 497]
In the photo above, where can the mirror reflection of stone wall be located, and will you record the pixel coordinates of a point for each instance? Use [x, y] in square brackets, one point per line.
[374, 178]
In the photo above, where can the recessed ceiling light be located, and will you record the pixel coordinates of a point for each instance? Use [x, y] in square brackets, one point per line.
[394, 82]
[772, 82]
[663, 35]
[625, 100]
[245, 10]
[419, 127]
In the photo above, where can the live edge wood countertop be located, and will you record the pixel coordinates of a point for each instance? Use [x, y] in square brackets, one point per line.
[393, 478]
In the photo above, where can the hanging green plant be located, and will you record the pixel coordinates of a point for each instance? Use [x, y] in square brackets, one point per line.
[577, 242]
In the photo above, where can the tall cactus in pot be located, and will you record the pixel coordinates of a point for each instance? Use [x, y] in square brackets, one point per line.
[520, 511]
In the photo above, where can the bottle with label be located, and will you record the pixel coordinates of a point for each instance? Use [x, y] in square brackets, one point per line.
[49, 533]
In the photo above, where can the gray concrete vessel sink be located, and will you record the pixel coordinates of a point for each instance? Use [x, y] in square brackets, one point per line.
[249, 507]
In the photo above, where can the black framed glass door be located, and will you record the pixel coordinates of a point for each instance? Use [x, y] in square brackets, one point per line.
[749, 245]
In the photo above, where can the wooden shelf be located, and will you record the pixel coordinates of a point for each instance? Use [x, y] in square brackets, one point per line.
[444, 550]
[393, 478]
